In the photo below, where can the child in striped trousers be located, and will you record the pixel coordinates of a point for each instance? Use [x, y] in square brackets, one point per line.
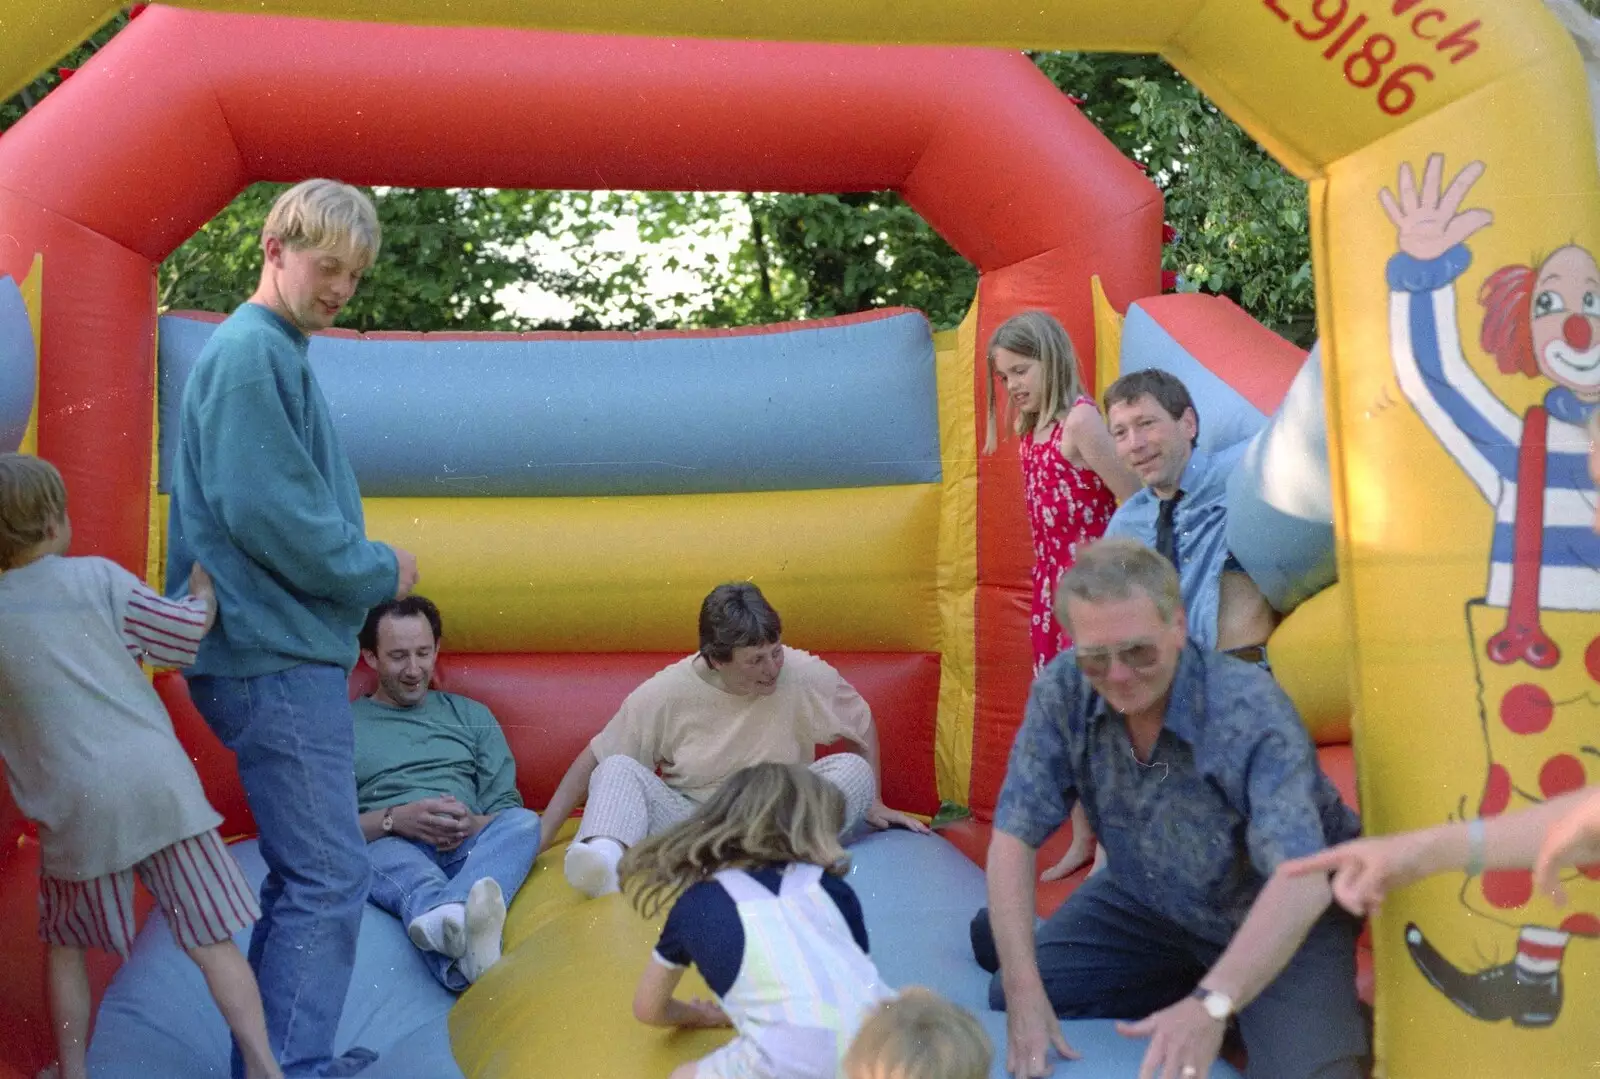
[91, 758]
[760, 908]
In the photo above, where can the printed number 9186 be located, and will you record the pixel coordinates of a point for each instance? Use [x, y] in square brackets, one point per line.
[1364, 63]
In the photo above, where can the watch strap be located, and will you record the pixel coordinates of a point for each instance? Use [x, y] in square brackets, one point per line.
[1475, 851]
[1211, 998]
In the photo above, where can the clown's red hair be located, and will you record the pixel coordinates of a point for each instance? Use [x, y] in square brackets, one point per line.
[1507, 299]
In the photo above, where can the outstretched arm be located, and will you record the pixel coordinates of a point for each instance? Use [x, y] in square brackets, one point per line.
[1184, 1035]
[654, 1004]
[880, 815]
[572, 790]
[1553, 836]
[167, 632]
[1032, 1028]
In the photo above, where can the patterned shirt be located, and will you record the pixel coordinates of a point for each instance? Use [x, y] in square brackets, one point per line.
[1232, 788]
[1200, 525]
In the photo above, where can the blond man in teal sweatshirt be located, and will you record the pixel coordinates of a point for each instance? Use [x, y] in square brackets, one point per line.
[264, 497]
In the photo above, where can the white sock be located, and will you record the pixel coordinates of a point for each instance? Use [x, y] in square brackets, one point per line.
[442, 929]
[486, 921]
[591, 866]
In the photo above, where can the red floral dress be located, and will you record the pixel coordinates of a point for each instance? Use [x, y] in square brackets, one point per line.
[1067, 506]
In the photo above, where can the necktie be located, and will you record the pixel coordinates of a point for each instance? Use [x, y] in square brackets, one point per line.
[1166, 534]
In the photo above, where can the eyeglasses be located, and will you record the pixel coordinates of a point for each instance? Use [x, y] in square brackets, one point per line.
[1134, 655]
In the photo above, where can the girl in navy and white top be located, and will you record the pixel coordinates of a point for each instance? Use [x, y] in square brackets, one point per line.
[762, 911]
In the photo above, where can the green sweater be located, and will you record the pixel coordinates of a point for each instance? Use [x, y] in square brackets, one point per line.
[447, 744]
[264, 498]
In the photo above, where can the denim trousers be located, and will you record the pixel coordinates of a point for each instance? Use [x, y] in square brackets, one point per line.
[1105, 955]
[293, 736]
[410, 877]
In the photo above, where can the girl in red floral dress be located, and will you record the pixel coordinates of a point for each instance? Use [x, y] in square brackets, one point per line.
[1071, 480]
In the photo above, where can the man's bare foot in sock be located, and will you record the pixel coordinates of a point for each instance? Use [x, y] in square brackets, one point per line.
[486, 921]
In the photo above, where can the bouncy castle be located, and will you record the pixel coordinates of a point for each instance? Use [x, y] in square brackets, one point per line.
[1410, 495]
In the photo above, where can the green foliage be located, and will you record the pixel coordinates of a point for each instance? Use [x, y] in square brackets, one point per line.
[754, 258]
[813, 256]
[446, 256]
[1241, 218]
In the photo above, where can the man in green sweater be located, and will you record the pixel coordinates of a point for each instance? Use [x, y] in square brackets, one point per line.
[449, 840]
[264, 498]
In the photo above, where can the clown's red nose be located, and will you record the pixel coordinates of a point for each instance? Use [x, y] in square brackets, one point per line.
[1578, 333]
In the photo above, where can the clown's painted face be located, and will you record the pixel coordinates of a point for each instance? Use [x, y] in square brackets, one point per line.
[1566, 320]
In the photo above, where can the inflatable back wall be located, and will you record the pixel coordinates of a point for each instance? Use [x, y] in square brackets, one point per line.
[581, 494]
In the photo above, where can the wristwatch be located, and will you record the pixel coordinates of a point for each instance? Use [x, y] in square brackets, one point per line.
[388, 820]
[1218, 1006]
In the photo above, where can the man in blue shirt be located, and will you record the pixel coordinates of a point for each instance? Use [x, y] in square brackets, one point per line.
[1182, 511]
[264, 498]
[1201, 782]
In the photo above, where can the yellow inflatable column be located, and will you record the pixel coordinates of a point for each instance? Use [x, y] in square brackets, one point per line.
[1461, 302]
[958, 559]
[31, 287]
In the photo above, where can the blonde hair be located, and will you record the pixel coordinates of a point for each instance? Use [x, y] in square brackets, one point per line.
[32, 498]
[761, 815]
[1041, 337]
[919, 1035]
[328, 216]
[1112, 569]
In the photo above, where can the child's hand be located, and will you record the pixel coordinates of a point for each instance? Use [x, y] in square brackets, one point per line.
[200, 582]
[201, 588]
[702, 1013]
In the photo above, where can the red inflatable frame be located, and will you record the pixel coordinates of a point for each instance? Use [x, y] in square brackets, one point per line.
[184, 109]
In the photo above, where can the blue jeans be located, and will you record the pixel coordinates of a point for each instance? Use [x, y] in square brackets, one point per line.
[1105, 955]
[410, 877]
[293, 736]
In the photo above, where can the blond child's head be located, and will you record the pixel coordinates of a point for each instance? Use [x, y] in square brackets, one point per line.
[1032, 357]
[326, 215]
[919, 1035]
[319, 238]
[33, 505]
[765, 814]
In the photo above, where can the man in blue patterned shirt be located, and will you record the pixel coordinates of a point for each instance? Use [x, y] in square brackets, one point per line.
[1182, 510]
[1200, 780]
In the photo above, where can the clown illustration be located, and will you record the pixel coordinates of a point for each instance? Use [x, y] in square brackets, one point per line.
[1536, 632]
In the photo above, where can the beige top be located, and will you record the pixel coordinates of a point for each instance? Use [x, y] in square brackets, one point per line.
[698, 735]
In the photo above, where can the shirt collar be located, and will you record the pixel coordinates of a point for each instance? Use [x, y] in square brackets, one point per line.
[1199, 464]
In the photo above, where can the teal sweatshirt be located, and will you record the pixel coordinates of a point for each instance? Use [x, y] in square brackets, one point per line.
[264, 498]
